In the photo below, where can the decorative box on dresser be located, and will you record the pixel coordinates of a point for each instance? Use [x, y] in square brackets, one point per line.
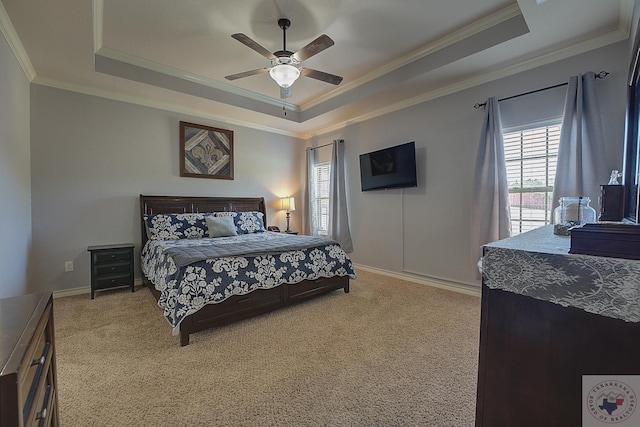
[28, 378]
[111, 266]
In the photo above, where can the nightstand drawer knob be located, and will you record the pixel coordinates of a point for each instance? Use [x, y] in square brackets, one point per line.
[113, 256]
[38, 361]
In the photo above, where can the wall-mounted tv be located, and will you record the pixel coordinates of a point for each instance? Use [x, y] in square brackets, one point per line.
[393, 167]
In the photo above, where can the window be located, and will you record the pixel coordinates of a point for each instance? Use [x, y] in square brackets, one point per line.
[321, 177]
[531, 155]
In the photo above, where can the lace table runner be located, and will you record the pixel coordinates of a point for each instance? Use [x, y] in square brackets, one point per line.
[538, 264]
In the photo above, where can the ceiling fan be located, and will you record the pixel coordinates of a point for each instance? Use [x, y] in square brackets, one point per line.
[286, 66]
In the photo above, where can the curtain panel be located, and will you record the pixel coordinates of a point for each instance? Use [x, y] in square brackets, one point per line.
[338, 215]
[490, 216]
[581, 152]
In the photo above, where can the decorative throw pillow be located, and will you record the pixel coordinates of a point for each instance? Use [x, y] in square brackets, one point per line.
[176, 226]
[222, 226]
[246, 222]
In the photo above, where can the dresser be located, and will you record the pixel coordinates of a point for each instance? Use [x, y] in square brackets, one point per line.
[28, 387]
[549, 318]
[111, 266]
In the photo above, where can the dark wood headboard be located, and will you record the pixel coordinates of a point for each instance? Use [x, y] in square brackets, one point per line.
[152, 205]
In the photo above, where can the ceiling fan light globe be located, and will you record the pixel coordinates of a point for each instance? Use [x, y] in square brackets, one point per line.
[285, 75]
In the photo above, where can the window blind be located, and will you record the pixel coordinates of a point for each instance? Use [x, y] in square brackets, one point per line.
[531, 157]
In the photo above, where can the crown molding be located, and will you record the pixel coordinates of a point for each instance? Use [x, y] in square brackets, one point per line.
[626, 16]
[594, 43]
[174, 108]
[191, 77]
[98, 24]
[15, 44]
[99, 49]
[467, 31]
[579, 48]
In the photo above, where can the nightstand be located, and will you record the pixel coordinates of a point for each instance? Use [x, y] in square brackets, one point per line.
[290, 232]
[111, 266]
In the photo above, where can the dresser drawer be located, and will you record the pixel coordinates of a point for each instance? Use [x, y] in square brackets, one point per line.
[251, 301]
[41, 404]
[308, 289]
[28, 368]
[110, 256]
[32, 366]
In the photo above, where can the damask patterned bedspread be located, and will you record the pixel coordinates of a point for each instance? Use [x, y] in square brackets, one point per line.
[219, 270]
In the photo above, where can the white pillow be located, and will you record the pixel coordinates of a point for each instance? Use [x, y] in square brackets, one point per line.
[221, 226]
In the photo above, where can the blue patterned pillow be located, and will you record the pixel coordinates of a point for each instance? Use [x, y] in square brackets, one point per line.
[176, 226]
[246, 222]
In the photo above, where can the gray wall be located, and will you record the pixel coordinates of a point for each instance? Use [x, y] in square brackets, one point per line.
[425, 230]
[91, 158]
[15, 178]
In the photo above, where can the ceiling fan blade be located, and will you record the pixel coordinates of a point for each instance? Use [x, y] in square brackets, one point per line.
[321, 75]
[247, 41]
[246, 74]
[318, 45]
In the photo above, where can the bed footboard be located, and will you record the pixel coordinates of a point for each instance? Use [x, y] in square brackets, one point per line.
[261, 301]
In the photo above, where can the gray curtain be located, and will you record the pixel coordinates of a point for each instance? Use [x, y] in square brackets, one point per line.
[338, 216]
[490, 216]
[581, 153]
[310, 227]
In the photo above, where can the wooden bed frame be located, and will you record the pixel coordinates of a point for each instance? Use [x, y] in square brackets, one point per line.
[240, 306]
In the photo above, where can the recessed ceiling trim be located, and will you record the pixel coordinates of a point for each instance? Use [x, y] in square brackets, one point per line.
[15, 44]
[594, 43]
[490, 36]
[184, 75]
[189, 84]
[463, 33]
[98, 24]
[174, 108]
[626, 15]
[479, 79]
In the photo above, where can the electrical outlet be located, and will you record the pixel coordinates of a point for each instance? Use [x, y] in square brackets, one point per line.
[68, 266]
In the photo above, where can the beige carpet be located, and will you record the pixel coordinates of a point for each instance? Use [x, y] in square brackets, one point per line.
[389, 353]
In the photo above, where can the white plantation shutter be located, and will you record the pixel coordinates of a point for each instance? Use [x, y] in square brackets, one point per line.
[531, 157]
[322, 174]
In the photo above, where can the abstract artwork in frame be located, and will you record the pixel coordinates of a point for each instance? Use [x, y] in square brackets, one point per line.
[205, 151]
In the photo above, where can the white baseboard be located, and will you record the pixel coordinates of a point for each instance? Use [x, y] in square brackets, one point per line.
[84, 290]
[429, 281]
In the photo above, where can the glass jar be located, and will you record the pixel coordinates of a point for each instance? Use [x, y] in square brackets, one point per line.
[572, 212]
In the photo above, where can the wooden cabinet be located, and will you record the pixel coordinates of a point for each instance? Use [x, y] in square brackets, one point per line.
[28, 386]
[111, 266]
[534, 351]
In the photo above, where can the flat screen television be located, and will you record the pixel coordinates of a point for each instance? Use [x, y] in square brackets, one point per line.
[393, 167]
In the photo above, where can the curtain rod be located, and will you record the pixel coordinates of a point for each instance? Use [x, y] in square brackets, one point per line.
[600, 75]
[325, 145]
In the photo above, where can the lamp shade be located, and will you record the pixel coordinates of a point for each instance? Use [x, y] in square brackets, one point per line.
[288, 204]
[284, 74]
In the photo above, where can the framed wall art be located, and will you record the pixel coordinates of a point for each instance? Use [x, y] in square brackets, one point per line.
[205, 151]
